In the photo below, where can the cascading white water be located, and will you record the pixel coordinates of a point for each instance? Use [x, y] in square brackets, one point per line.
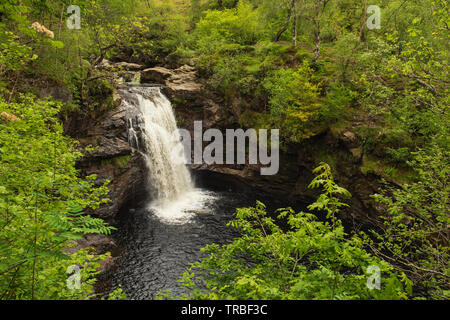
[173, 193]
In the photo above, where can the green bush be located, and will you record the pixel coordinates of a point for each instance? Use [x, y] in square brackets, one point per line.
[294, 102]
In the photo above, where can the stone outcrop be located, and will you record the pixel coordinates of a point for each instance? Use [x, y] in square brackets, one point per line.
[125, 66]
[193, 101]
[156, 75]
[189, 95]
[128, 66]
[99, 244]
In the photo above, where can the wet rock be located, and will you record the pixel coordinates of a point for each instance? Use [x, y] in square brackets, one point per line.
[100, 243]
[106, 148]
[106, 263]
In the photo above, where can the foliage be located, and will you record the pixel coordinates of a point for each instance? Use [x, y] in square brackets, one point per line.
[150, 36]
[304, 67]
[13, 54]
[239, 25]
[117, 294]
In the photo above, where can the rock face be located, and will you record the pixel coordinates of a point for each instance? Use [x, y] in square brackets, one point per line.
[113, 159]
[99, 244]
[193, 101]
[190, 98]
[156, 75]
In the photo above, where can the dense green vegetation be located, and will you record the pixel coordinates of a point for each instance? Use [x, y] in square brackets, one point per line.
[303, 66]
[312, 260]
[42, 202]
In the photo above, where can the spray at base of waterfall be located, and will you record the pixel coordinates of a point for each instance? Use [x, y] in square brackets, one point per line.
[183, 209]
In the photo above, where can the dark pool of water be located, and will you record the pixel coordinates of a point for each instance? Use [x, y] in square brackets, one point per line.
[154, 254]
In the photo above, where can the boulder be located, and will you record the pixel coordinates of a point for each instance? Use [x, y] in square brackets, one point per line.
[112, 159]
[124, 66]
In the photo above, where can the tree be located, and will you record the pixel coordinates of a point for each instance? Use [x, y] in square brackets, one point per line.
[42, 200]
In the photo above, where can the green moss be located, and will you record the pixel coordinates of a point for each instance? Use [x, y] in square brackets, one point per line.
[371, 165]
[178, 101]
[118, 162]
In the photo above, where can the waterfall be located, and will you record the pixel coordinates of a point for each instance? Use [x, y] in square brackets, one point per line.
[153, 132]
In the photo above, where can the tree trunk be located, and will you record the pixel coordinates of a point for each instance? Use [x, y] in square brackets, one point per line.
[361, 38]
[317, 46]
[362, 35]
[320, 8]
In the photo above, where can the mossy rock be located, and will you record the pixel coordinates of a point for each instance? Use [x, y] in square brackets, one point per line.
[118, 162]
